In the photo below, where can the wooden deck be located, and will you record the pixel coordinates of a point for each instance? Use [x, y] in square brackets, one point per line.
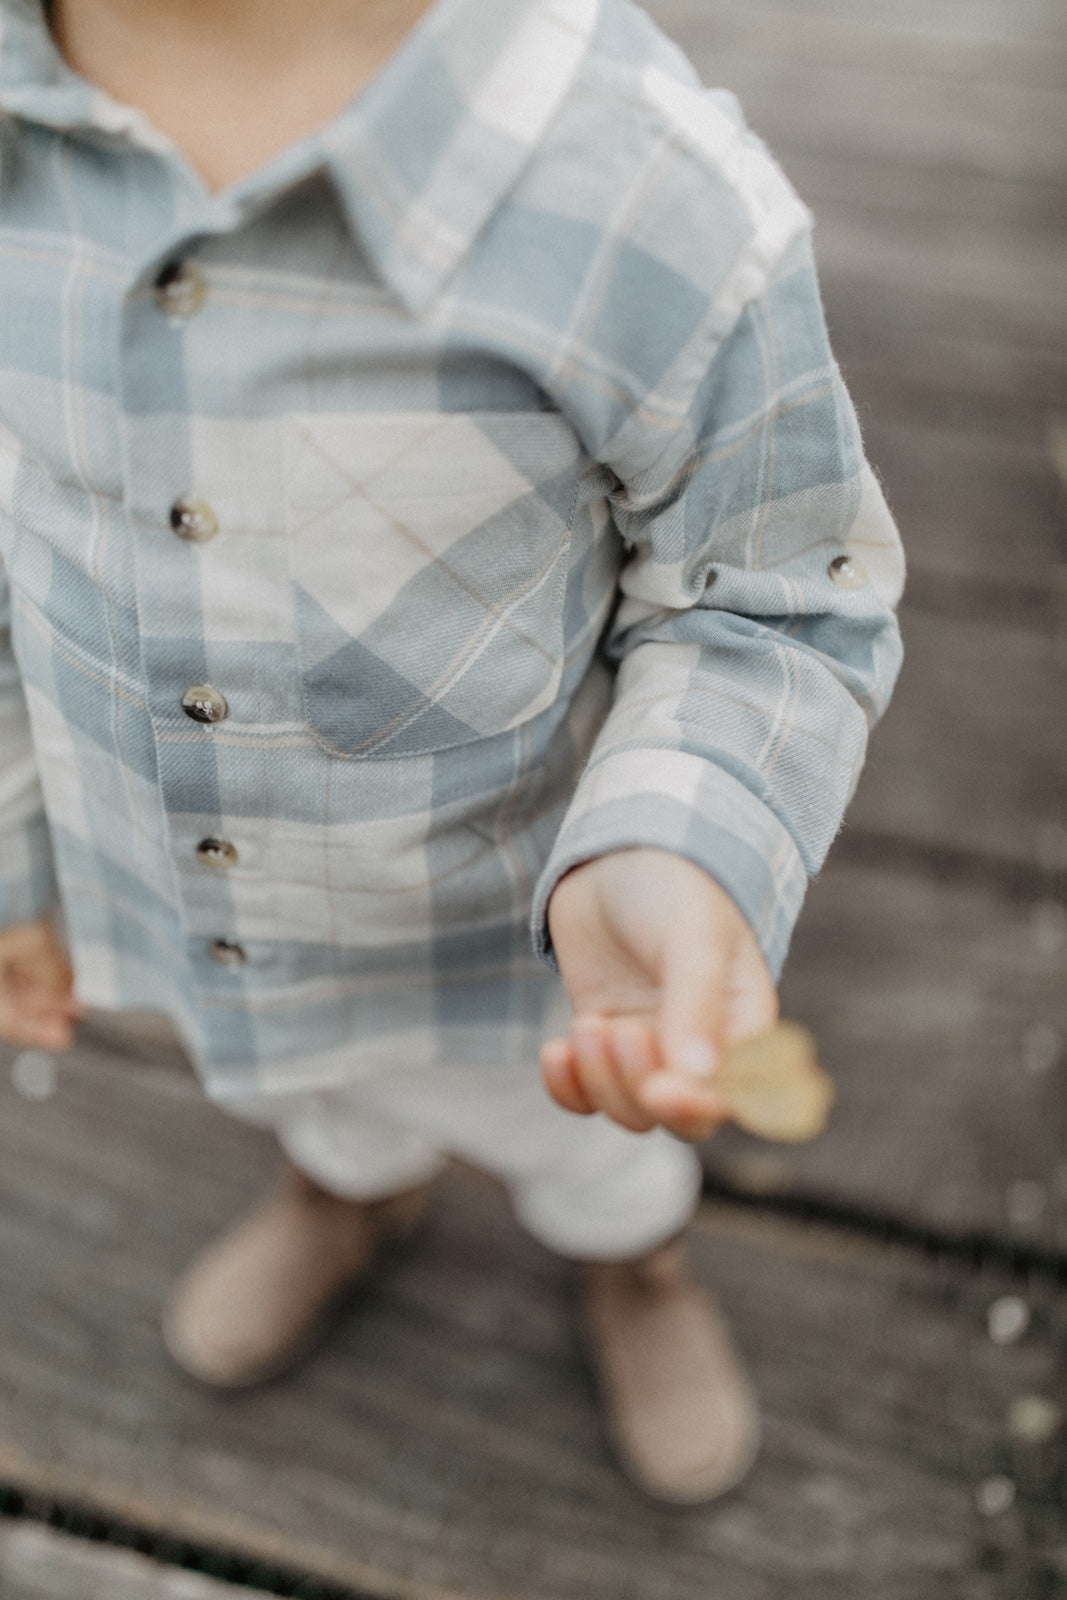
[900, 1288]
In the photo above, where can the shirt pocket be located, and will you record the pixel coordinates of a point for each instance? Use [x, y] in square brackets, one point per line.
[429, 558]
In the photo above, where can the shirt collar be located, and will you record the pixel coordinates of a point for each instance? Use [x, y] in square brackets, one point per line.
[421, 159]
[444, 131]
[35, 81]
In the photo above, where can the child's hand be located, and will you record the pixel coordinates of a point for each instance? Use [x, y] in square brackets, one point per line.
[37, 1006]
[664, 974]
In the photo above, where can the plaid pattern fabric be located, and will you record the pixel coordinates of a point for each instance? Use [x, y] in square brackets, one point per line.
[489, 462]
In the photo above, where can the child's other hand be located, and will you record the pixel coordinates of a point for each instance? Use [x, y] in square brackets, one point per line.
[37, 1005]
[664, 975]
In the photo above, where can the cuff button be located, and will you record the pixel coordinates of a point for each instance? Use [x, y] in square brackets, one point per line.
[847, 572]
[228, 954]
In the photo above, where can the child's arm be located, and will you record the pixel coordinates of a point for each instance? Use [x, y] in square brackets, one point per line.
[756, 645]
[36, 1007]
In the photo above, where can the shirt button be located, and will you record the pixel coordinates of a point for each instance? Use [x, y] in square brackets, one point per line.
[204, 704]
[180, 290]
[227, 953]
[193, 520]
[217, 853]
[848, 573]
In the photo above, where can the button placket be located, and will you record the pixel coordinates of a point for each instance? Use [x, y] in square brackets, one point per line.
[195, 521]
[173, 562]
[180, 290]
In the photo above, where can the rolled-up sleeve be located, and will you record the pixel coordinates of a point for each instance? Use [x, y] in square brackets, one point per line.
[27, 877]
[755, 638]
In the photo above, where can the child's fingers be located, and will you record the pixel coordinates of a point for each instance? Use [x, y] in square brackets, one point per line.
[29, 1030]
[683, 1105]
[685, 1108]
[600, 1075]
[632, 1042]
[558, 1071]
[694, 1003]
[47, 981]
[613, 1065]
[37, 1006]
[36, 1022]
[754, 1005]
[54, 1034]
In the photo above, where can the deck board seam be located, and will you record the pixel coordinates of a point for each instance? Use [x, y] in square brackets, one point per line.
[1018, 880]
[977, 1249]
[19, 1504]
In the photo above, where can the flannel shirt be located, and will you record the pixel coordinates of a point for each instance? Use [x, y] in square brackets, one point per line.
[484, 456]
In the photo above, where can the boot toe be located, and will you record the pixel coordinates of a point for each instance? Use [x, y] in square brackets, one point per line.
[255, 1301]
[679, 1408]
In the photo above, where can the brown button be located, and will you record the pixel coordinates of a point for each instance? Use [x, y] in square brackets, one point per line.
[193, 520]
[228, 954]
[180, 290]
[848, 573]
[204, 704]
[217, 853]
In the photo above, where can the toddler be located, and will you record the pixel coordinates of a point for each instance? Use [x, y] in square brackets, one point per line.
[430, 514]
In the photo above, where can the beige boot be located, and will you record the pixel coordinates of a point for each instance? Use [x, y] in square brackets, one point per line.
[251, 1304]
[678, 1407]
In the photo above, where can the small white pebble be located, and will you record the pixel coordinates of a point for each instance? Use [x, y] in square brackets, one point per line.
[1048, 927]
[1042, 1047]
[1008, 1319]
[1026, 1203]
[697, 1057]
[1034, 1419]
[34, 1075]
[994, 1496]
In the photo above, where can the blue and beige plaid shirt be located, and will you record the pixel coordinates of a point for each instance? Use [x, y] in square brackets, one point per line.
[469, 492]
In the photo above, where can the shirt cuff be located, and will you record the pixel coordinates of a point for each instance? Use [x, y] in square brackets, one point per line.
[682, 803]
[27, 875]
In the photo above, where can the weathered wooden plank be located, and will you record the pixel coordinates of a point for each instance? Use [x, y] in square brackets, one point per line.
[889, 339]
[971, 754]
[941, 1011]
[959, 22]
[991, 129]
[811, 38]
[1007, 289]
[931, 147]
[836, 181]
[976, 497]
[36, 1563]
[445, 1443]
[951, 303]
[886, 90]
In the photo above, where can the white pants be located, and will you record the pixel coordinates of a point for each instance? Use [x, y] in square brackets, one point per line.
[583, 1186]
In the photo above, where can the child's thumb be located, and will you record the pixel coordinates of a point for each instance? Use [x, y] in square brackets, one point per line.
[694, 1005]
